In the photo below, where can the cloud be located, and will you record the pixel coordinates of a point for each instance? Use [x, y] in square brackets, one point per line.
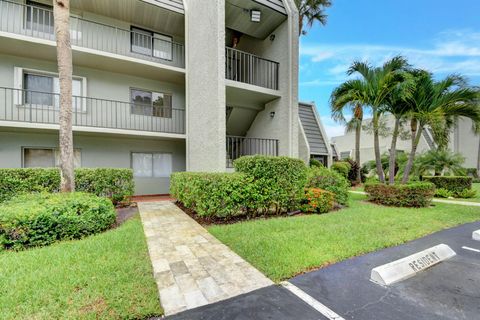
[451, 51]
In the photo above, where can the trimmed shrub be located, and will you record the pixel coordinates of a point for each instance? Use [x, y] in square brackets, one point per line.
[279, 181]
[467, 193]
[220, 195]
[443, 193]
[116, 184]
[329, 180]
[454, 184]
[418, 194]
[315, 163]
[342, 167]
[40, 219]
[318, 201]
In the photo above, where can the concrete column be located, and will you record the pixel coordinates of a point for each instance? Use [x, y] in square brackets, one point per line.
[205, 85]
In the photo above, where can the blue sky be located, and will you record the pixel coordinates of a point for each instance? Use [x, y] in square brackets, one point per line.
[438, 35]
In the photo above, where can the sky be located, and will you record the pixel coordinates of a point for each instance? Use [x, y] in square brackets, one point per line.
[437, 35]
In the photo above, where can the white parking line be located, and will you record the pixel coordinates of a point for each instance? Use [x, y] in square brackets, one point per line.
[471, 249]
[315, 304]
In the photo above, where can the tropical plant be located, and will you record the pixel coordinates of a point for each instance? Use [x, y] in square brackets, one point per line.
[372, 89]
[432, 101]
[61, 15]
[310, 11]
[441, 162]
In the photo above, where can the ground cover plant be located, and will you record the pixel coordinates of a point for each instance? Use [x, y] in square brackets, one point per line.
[284, 247]
[105, 276]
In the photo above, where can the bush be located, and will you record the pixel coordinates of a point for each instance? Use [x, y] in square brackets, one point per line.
[315, 163]
[342, 167]
[329, 180]
[443, 193]
[466, 193]
[418, 194]
[279, 181]
[454, 184]
[213, 194]
[318, 201]
[116, 184]
[352, 173]
[40, 219]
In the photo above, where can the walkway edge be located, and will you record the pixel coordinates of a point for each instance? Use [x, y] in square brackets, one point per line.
[315, 304]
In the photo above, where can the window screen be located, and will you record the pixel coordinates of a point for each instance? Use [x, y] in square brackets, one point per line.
[149, 165]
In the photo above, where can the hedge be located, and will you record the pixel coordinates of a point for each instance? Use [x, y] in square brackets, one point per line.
[280, 181]
[317, 201]
[213, 194]
[417, 194]
[39, 219]
[342, 167]
[116, 184]
[454, 184]
[329, 180]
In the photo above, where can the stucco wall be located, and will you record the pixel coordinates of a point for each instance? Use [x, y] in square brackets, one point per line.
[205, 36]
[97, 151]
[466, 142]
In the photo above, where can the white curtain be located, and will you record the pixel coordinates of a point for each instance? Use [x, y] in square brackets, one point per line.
[162, 164]
[142, 164]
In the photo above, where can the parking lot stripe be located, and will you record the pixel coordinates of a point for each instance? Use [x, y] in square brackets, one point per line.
[312, 302]
[471, 249]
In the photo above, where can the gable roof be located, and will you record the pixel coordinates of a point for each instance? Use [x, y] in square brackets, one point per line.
[313, 128]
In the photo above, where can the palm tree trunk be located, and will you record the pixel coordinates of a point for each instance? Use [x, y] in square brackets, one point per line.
[61, 11]
[358, 132]
[411, 157]
[376, 146]
[393, 152]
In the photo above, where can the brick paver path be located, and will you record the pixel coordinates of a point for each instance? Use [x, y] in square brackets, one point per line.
[192, 268]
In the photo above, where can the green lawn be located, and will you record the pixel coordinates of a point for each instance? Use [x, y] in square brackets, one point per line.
[107, 276]
[283, 247]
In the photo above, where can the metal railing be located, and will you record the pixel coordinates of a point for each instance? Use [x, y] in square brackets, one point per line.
[241, 146]
[41, 107]
[37, 22]
[248, 68]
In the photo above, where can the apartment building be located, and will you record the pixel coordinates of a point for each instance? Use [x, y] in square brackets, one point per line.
[158, 85]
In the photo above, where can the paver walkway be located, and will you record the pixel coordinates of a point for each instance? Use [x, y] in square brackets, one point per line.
[192, 268]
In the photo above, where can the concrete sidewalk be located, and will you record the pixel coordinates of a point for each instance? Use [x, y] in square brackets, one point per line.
[192, 268]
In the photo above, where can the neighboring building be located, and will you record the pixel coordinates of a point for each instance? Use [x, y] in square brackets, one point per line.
[313, 140]
[159, 85]
[346, 144]
[462, 140]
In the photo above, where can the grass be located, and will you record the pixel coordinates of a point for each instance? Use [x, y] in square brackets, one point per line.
[284, 247]
[107, 276]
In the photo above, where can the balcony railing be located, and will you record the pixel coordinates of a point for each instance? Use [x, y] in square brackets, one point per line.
[248, 68]
[41, 107]
[37, 22]
[241, 146]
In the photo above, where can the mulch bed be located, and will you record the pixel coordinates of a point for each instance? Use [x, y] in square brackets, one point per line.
[125, 213]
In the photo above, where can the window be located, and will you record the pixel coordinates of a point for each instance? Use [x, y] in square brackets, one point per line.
[151, 44]
[39, 17]
[151, 165]
[43, 89]
[46, 158]
[148, 103]
[345, 155]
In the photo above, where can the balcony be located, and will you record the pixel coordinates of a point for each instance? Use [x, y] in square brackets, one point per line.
[26, 106]
[37, 22]
[251, 69]
[241, 146]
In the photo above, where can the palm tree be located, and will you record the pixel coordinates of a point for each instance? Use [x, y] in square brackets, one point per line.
[353, 124]
[441, 162]
[61, 13]
[372, 89]
[434, 101]
[310, 11]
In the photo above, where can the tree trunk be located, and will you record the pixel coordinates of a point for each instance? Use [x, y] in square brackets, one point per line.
[393, 153]
[300, 24]
[358, 132]
[376, 145]
[61, 12]
[411, 157]
[478, 158]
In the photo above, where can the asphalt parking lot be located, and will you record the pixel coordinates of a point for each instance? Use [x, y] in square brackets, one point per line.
[449, 290]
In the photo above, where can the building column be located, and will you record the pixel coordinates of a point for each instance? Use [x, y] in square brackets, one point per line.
[205, 85]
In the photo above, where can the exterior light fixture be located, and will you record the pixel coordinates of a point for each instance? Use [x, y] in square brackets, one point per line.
[272, 37]
[255, 15]
[272, 114]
